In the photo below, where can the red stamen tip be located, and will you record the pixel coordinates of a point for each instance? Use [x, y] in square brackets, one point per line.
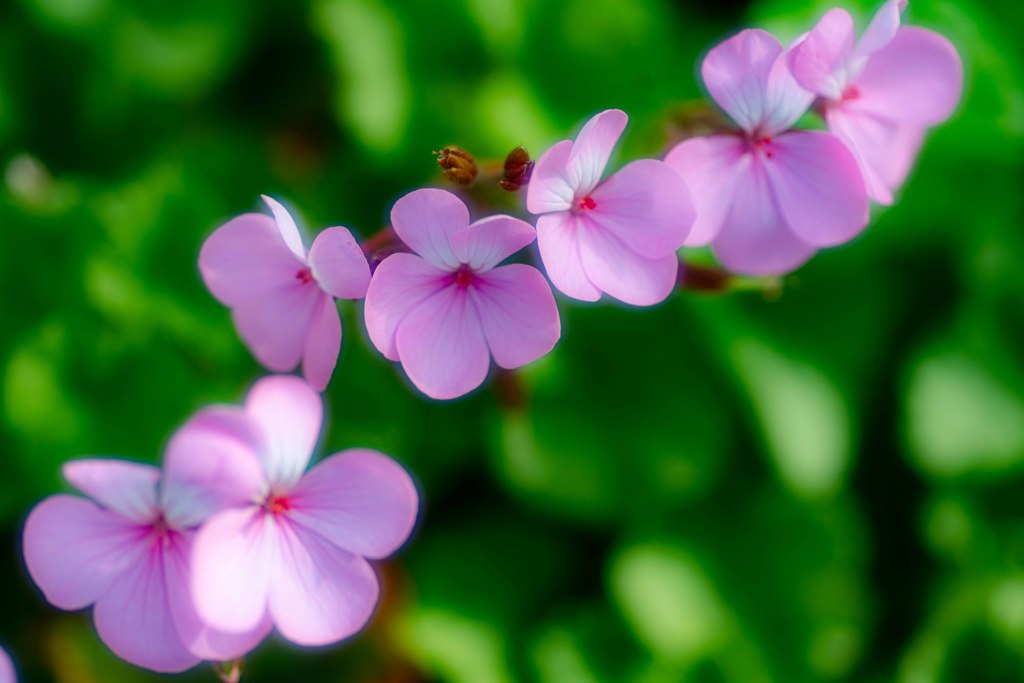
[277, 504]
[305, 276]
[463, 277]
[587, 204]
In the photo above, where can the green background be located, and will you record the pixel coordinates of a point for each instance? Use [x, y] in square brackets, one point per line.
[826, 485]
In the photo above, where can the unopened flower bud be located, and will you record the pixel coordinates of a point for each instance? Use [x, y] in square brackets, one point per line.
[518, 167]
[458, 165]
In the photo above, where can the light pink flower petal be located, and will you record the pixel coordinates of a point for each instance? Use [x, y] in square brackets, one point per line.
[517, 312]
[210, 463]
[709, 165]
[818, 187]
[245, 258]
[881, 30]
[274, 326]
[647, 206]
[622, 273]
[821, 61]
[7, 673]
[400, 283]
[736, 73]
[441, 345]
[885, 150]
[232, 557]
[916, 79]
[549, 188]
[754, 239]
[785, 99]
[201, 640]
[323, 343]
[489, 241]
[289, 414]
[338, 264]
[319, 593]
[557, 239]
[359, 500]
[592, 149]
[127, 488]
[74, 549]
[426, 220]
[286, 228]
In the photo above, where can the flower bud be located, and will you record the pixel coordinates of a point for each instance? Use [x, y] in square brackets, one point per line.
[458, 165]
[517, 170]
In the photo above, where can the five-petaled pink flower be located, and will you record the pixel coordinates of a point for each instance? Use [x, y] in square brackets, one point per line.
[281, 298]
[127, 550]
[767, 197]
[618, 236]
[295, 554]
[879, 93]
[444, 311]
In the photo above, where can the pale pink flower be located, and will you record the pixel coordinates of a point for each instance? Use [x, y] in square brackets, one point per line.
[7, 673]
[446, 309]
[879, 93]
[281, 297]
[618, 236]
[295, 553]
[126, 548]
[767, 197]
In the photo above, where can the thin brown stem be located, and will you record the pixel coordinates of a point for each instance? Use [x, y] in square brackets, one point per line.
[229, 672]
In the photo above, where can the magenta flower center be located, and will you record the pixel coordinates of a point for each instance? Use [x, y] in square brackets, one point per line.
[763, 144]
[463, 277]
[851, 93]
[277, 505]
[304, 276]
[586, 204]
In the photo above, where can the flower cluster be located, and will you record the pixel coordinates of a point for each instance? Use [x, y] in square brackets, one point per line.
[202, 558]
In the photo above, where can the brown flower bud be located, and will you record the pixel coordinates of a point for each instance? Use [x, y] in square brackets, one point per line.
[458, 165]
[518, 168]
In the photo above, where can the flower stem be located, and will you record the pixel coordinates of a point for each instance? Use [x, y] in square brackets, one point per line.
[229, 672]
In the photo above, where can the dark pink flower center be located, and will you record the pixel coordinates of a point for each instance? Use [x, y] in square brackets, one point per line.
[586, 204]
[851, 93]
[277, 505]
[763, 144]
[304, 276]
[463, 277]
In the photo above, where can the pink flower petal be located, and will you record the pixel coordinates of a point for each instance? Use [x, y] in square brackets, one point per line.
[916, 79]
[441, 345]
[274, 326]
[818, 187]
[289, 414]
[622, 273]
[339, 265]
[885, 150]
[709, 165]
[286, 228]
[821, 61]
[754, 239]
[647, 206]
[736, 74]
[245, 258]
[201, 640]
[319, 593]
[549, 188]
[210, 463]
[557, 238]
[881, 30]
[133, 617]
[232, 557]
[517, 312]
[127, 488]
[488, 242]
[592, 149]
[360, 500]
[400, 283]
[74, 549]
[785, 99]
[323, 343]
[426, 219]
[7, 673]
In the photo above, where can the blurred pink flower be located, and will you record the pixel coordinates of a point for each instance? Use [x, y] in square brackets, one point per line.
[295, 553]
[767, 197]
[126, 549]
[281, 298]
[879, 93]
[7, 674]
[618, 236]
[444, 311]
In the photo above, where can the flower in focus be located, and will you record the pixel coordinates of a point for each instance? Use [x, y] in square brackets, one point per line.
[767, 197]
[879, 93]
[295, 554]
[126, 548]
[281, 297]
[445, 310]
[618, 236]
[7, 674]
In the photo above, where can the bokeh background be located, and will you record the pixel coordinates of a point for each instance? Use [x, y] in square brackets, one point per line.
[820, 484]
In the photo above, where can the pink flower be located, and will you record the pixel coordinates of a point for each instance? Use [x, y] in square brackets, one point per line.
[444, 311]
[767, 197]
[281, 298]
[618, 236]
[7, 674]
[295, 553]
[881, 92]
[126, 549]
